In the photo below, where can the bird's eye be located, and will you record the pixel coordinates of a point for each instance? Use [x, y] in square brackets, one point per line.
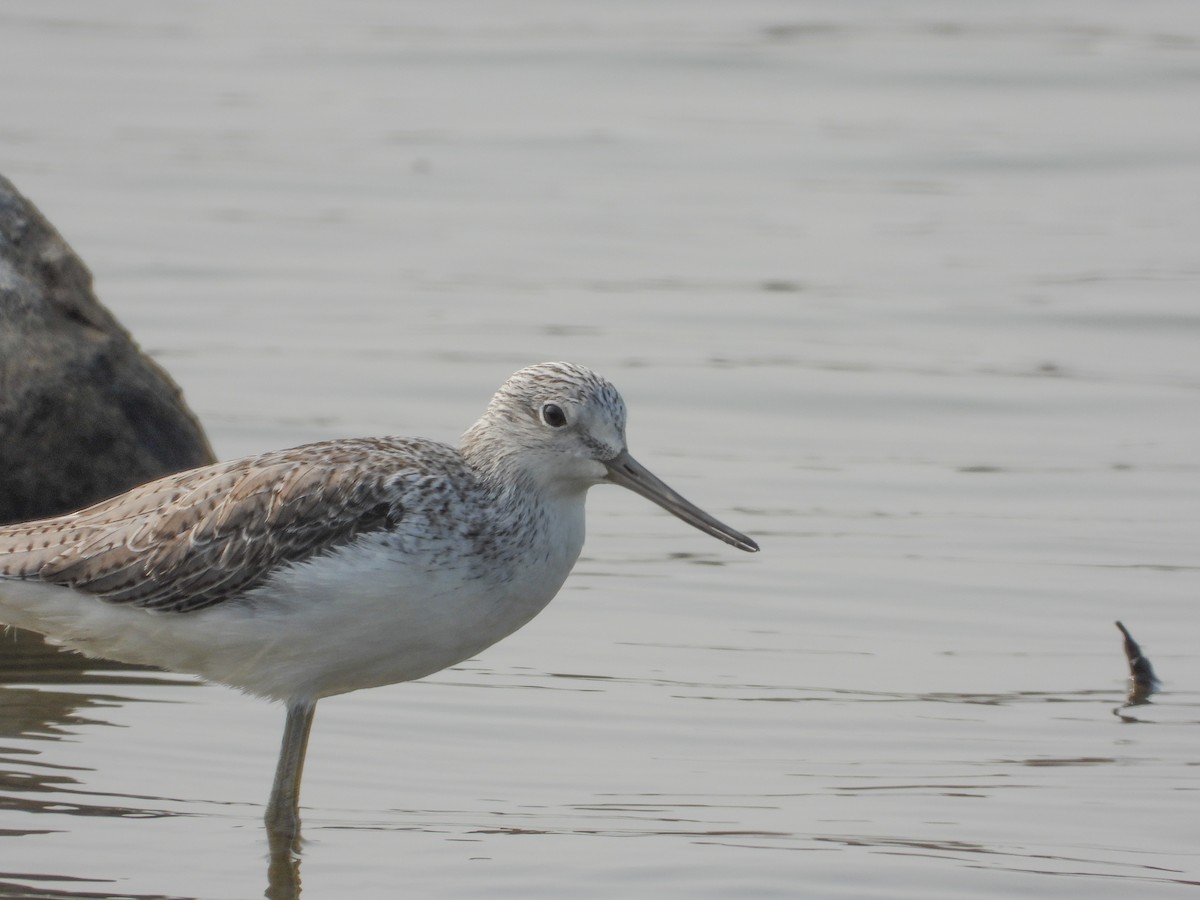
[553, 415]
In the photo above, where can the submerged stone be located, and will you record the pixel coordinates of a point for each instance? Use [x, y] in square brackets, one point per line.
[84, 413]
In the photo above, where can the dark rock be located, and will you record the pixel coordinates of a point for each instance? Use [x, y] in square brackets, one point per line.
[84, 414]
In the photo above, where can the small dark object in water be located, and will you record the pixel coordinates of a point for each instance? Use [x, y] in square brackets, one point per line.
[1142, 680]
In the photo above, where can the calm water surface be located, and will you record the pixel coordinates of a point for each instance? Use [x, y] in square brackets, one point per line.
[910, 297]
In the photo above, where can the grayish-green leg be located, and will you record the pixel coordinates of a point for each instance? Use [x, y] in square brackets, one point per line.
[283, 809]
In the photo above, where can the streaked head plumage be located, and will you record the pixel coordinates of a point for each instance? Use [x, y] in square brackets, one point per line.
[548, 411]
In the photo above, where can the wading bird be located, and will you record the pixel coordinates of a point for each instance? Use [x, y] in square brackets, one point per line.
[341, 565]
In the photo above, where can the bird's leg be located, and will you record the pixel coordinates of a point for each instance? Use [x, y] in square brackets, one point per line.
[283, 809]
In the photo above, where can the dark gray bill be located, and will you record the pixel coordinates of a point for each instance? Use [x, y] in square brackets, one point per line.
[628, 472]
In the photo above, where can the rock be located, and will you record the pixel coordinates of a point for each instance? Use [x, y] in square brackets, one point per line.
[84, 414]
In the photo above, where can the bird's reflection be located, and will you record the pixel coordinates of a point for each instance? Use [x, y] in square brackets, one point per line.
[283, 869]
[42, 713]
[28, 783]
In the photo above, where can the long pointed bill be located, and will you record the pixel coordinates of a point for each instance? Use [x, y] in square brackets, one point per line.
[628, 472]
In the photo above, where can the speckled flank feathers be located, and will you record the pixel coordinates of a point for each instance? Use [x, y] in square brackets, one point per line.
[209, 535]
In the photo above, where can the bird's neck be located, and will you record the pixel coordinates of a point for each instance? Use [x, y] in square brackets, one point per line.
[519, 486]
[493, 460]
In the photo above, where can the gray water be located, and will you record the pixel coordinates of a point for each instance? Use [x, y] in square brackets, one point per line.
[908, 293]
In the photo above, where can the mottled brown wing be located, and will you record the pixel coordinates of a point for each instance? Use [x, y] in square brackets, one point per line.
[192, 540]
